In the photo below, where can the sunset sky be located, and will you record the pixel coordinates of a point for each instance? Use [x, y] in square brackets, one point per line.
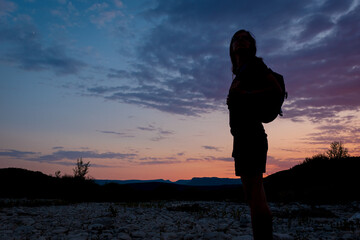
[138, 87]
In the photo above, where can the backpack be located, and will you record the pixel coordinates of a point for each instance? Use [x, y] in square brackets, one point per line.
[272, 104]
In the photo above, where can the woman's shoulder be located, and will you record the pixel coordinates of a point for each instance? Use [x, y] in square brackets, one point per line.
[258, 61]
[259, 65]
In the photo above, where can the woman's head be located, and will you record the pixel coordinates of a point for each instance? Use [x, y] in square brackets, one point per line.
[243, 44]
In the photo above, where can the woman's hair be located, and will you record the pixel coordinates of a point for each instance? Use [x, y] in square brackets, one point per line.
[252, 48]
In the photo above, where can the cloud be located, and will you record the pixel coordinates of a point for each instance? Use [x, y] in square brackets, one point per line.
[67, 163]
[16, 154]
[157, 161]
[211, 158]
[323, 76]
[103, 18]
[6, 7]
[57, 148]
[67, 158]
[62, 154]
[120, 134]
[160, 133]
[326, 134]
[118, 3]
[28, 52]
[182, 65]
[211, 148]
[148, 128]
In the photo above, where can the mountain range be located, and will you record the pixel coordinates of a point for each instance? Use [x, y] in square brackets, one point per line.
[196, 181]
[315, 181]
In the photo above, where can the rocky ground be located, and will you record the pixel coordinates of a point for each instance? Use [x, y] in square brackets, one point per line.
[173, 220]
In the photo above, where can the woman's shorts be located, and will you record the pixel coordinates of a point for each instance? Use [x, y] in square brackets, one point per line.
[250, 154]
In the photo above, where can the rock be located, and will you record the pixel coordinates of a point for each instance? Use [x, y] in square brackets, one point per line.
[23, 230]
[138, 234]
[104, 221]
[169, 236]
[27, 221]
[106, 235]
[59, 230]
[245, 237]
[95, 226]
[214, 235]
[355, 217]
[154, 221]
[78, 236]
[191, 236]
[282, 236]
[123, 236]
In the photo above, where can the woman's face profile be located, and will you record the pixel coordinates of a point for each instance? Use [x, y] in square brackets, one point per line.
[241, 41]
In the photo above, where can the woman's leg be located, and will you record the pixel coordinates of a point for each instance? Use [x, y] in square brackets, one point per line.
[261, 217]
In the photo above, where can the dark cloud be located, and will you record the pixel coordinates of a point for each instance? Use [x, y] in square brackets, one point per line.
[16, 154]
[150, 128]
[57, 148]
[183, 65]
[323, 77]
[67, 158]
[62, 154]
[157, 161]
[336, 7]
[120, 134]
[341, 132]
[211, 158]
[26, 49]
[315, 25]
[159, 132]
[92, 165]
[211, 148]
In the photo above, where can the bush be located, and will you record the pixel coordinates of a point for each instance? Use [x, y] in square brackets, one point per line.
[81, 169]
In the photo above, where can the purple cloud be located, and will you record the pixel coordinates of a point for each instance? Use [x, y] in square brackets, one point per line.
[16, 154]
[119, 134]
[211, 158]
[62, 154]
[157, 160]
[211, 148]
[160, 133]
[26, 49]
[183, 65]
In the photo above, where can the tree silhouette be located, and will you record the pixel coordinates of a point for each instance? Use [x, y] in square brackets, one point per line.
[81, 169]
[337, 151]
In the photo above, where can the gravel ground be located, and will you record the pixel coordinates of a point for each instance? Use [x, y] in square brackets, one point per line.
[174, 220]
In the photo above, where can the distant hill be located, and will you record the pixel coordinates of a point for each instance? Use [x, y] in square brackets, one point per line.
[315, 181]
[210, 181]
[22, 183]
[205, 181]
[319, 180]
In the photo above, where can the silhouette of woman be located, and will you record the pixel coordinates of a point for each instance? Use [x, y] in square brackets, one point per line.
[252, 80]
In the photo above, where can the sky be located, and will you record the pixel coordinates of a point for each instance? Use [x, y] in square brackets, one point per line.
[138, 87]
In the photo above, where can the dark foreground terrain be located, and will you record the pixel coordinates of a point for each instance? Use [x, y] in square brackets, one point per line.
[316, 181]
[205, 220]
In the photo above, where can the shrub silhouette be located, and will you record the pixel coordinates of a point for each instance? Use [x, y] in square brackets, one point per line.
[81, 169]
